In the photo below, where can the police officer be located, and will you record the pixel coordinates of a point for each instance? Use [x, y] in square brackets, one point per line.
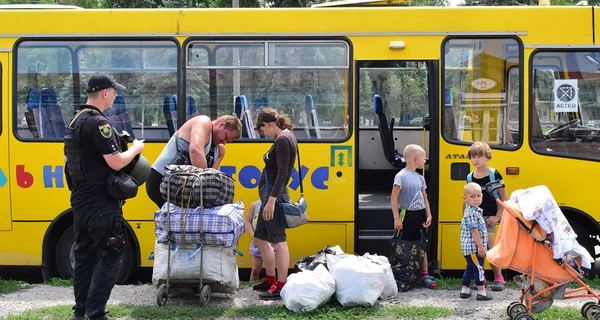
[93, 152]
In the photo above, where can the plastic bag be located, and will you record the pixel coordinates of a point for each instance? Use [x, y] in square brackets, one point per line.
[305, 291]
[311, 262]
[358, 280]
[390, 289]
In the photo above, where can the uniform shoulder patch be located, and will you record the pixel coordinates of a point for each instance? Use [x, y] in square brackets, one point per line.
[105, 130]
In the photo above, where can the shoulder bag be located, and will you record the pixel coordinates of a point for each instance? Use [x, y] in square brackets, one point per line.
[293, 213]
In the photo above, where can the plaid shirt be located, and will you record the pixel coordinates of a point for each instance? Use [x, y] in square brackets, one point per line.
[472, 218]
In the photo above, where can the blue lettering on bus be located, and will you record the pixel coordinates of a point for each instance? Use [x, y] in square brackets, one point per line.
[3, 179]
[249, 176]
[56, 175]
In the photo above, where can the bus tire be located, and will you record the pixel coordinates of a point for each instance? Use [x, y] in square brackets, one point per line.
[583, 237]
[65, 261]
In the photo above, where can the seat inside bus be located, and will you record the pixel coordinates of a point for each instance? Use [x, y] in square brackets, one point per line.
[387, 134]
[43, 115]
[170, 111]
[119, 117]
[312, 123]
[240, 108]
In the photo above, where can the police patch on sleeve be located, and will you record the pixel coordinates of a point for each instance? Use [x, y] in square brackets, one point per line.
[105, 130]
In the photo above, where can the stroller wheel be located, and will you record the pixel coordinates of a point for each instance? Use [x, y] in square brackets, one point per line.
[597, 317]
[162, 295]
[510, 306]
[524, 316]
[591, 311]
[515, 309]
[585, 306]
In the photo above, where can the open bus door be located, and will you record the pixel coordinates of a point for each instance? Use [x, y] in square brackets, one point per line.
[396, 102]
[5, 215]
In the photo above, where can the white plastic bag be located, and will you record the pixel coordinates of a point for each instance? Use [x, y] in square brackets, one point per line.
[390, 288]
[219, 265]
[358, 280]
[305, 291]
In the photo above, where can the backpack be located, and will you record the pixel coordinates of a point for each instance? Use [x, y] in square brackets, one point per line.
[492, 178]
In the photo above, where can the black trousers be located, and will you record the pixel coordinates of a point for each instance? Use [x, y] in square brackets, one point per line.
[153, 188]
[96, 263]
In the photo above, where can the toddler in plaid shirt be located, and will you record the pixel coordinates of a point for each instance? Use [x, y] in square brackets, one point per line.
[473, 237]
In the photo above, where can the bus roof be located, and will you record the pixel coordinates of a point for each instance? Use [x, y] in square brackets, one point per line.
[362, 3]
[37, 7]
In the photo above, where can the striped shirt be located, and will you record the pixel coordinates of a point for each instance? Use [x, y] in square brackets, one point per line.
[472, 218]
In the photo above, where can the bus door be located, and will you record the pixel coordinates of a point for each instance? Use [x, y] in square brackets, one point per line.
[394, 103]
[5, 216]
[481, 90]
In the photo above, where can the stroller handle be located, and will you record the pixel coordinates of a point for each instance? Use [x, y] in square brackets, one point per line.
[492, 186]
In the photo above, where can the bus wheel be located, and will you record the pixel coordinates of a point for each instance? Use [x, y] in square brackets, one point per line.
[583, 237]
[65, 261]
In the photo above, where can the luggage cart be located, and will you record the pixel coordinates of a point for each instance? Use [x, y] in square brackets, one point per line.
[164, 286]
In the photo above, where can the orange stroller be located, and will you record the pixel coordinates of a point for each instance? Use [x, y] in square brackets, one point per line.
[522, 245]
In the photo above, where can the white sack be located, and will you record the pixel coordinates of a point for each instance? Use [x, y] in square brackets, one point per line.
[219, 265]
[390, 288]
[305, 291]
[358, 280]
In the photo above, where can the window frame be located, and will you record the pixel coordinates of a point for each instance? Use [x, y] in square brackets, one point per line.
[520, 50]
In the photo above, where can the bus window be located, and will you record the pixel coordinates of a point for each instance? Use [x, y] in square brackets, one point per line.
[52, 77]
[566, 104]
[402, 85]
[481, 91]
[279, 74]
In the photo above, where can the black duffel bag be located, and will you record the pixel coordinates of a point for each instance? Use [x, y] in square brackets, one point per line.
[191, 187]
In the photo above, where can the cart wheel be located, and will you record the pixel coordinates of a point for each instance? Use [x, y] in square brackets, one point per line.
[509, 307]
[516, 309]
[205, 295]
[161, 295]
[585, 306]
[524, 316]
[592, 310]
[597, 316]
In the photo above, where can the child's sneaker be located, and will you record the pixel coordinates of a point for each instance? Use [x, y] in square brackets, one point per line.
[481, 297]
[274, 293]
[429, 282]
[262, 286]
[498, 286]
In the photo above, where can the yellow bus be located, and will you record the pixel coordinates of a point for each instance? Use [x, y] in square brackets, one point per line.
[447, 76]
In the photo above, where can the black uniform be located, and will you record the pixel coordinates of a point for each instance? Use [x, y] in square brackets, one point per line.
[97, 216]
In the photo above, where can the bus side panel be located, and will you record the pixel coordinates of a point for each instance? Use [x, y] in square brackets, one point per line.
[24, 245]
[5, 215]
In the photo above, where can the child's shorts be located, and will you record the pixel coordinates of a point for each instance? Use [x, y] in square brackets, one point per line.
[254, 251]
[413, 224]
[492, 228]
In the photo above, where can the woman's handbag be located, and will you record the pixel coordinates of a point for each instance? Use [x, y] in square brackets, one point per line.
[182, 157]
[293, 213]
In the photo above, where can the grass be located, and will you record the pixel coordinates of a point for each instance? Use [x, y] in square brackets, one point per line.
[328, 311]
[10, 286]
[58, 282]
